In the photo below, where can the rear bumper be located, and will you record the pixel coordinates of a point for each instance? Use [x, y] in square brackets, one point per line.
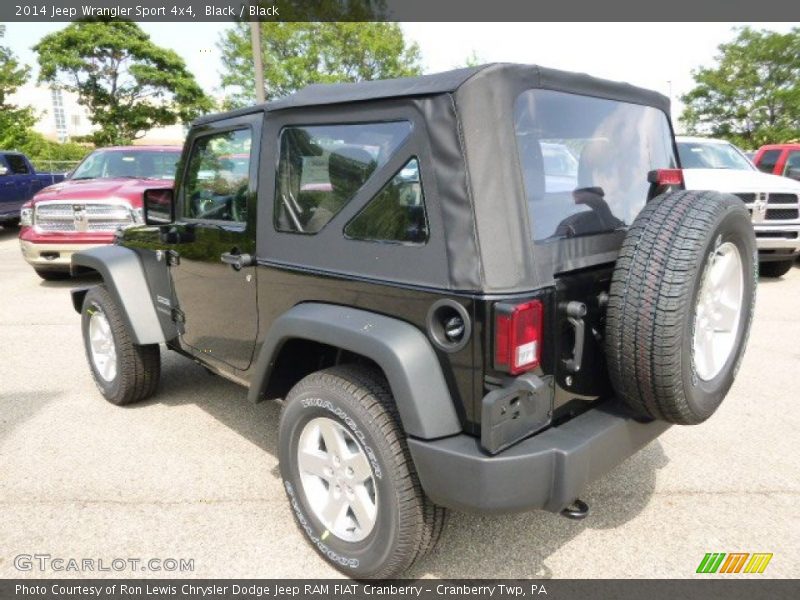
[546, 471]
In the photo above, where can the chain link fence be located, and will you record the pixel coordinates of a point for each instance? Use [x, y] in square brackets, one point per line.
[54, 166]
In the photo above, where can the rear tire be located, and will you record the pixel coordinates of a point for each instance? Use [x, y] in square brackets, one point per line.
[401, 525]
[123, 371]
[775, 269]
[52, 275]
[680, 305]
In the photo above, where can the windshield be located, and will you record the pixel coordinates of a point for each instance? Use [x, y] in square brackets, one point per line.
[585, 160]
[712, 155]
[135, 164]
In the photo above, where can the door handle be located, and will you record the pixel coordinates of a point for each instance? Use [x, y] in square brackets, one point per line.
[237, 261]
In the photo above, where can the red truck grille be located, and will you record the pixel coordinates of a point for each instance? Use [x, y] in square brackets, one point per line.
[82, 216]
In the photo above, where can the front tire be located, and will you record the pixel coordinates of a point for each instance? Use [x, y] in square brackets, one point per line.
[775, 269]
[123, 371]
[349, 476]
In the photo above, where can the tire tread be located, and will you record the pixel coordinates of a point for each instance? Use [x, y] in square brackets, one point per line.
[654, 274]
[140, 366]
[423, 521]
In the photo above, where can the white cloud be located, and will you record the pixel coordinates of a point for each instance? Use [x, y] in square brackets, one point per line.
[658, 56]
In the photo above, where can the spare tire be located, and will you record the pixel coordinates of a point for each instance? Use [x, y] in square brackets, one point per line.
[680, 305]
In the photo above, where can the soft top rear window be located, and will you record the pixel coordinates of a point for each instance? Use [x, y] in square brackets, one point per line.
[585, 160]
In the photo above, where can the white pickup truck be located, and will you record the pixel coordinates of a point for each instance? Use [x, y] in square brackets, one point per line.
[773, 201]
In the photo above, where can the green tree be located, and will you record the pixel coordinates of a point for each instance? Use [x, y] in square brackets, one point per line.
[127, 83]
[473, 60]
[297, 54]
[44, 153]
[751, 96]
[15, 121]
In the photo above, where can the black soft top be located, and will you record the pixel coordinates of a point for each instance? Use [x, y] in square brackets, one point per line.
[496, 75]
[480, 236]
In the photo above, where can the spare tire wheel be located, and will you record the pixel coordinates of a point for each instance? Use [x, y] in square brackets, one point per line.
[681, 304]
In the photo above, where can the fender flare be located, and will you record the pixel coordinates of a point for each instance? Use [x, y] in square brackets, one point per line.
[400, 349]
[123, 276]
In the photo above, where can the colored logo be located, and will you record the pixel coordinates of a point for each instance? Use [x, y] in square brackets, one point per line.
[734, 562]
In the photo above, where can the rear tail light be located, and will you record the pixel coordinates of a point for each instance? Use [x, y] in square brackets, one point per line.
[517, 336]
[666, 177]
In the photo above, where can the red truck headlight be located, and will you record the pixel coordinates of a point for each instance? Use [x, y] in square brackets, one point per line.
[26, 215]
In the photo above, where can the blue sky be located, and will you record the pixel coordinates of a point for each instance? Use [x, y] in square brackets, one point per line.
[659, 56]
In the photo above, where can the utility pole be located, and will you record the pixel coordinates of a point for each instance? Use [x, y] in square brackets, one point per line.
[258, 66]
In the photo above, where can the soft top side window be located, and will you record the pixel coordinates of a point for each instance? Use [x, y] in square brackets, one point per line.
[396, 214]
[322, 167]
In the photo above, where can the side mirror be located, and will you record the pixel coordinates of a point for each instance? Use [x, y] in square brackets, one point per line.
[159, 207]
[3, 170]
[793, 172]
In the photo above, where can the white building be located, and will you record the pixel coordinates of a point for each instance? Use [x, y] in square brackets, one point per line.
[59, 116]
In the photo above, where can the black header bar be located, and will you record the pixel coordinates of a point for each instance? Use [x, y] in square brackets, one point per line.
[712, 588]
[189, 11]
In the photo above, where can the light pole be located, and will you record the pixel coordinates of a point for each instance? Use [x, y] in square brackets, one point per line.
[258, 66]
[669, 85]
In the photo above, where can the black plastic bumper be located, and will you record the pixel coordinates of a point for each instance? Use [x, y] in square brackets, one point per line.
[546, 471]
[777, 255]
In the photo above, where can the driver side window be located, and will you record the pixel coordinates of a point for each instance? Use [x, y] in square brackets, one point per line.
[218, 176]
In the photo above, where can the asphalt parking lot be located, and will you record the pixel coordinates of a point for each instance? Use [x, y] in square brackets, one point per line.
[192, 473]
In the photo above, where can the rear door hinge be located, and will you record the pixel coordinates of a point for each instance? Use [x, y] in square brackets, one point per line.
[173, 258]
[178, 316]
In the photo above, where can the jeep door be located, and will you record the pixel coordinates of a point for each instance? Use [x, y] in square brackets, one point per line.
[216, 192]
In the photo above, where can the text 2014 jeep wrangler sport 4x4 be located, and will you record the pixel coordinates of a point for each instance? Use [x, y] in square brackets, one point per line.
[478, 290]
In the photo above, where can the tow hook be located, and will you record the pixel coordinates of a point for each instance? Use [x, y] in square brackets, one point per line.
[576, 511]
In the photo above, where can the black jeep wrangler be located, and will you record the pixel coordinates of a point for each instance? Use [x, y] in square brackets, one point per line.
[476, 290]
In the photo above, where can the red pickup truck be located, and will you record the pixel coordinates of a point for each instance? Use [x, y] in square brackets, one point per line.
[102, 194]
[779, 159]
